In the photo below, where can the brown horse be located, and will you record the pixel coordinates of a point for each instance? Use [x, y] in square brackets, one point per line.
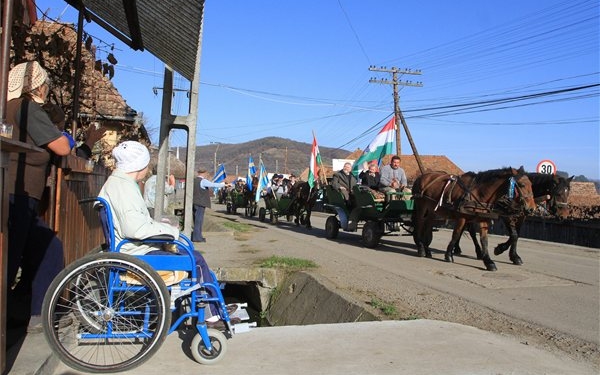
[550, 192]
[471, 197]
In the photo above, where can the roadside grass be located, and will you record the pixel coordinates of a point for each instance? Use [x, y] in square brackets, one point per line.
[241, 231]
[237, 227]
[287, 263]
[386, 308]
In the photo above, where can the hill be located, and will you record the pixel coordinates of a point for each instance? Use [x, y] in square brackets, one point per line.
[280, 155]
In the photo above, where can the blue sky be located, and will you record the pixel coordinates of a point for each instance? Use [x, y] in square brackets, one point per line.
[503, 81]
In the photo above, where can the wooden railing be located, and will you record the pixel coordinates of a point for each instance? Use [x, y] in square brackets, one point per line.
[77, 225]
[581, 233]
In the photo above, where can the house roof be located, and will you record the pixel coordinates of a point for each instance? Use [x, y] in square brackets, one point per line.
[98, 97]
[170, 30]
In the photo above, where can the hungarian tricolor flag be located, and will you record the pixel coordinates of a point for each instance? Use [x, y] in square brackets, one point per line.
[315, 161]
[382, 145]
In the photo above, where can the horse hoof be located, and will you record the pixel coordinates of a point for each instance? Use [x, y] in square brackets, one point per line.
[428, 254]
[449, 259]
[457, 252]
[491, 267]
[421, 254]
[517, 261]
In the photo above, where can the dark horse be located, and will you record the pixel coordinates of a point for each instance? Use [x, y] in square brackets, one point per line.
[550, 192]
[471, 197]
[303, 200]
[250, 203]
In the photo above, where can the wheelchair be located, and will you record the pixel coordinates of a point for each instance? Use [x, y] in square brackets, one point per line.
[110, 311]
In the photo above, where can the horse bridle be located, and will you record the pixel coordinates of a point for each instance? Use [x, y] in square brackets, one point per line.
[515, 191]
[554, 204]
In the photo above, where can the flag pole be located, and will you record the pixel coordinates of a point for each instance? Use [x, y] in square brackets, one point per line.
[321, 167]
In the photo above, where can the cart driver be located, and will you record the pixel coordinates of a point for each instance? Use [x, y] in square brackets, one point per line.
[393, 178]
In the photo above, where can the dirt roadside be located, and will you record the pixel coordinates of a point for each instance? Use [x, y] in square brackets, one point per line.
[227, 248]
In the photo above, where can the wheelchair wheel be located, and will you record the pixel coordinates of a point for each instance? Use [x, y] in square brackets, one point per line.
[204, 356]
[119, 309]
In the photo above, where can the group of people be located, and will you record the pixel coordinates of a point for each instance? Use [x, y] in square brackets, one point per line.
[391, 178]
[35, 253]
[281, 186]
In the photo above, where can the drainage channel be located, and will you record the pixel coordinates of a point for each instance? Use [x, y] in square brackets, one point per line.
[283, 299]
[247, 292]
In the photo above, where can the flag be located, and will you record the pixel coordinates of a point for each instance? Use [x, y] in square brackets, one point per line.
[220, 175]
[315, 161]
[263, 181]
[251, 173]
[382, 145]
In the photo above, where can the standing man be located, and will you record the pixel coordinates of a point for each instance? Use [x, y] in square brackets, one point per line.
[201, 202]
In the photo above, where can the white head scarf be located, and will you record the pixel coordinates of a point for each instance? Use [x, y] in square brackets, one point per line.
[131, 156]
[24, 78]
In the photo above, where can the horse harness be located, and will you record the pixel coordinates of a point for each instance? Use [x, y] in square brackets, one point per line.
[469, 204]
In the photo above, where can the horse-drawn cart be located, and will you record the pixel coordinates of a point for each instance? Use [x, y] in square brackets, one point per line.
[275, 208]
[234, 200]
[378, 217]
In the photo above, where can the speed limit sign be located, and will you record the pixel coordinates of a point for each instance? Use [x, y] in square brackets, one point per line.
[546, 166]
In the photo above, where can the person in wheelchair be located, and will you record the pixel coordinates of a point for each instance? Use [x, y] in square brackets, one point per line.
[131, 217]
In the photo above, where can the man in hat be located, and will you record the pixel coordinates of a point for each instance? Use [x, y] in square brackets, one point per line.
[201, 201]
[32, 245]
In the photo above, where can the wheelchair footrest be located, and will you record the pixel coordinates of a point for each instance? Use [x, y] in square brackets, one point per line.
[240, 313]
[243, 327]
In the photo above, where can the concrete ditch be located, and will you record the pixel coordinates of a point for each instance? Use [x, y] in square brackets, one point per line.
[297, 298]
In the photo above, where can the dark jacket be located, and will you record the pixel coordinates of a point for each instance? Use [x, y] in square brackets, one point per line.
[368, 180]
[340, 179]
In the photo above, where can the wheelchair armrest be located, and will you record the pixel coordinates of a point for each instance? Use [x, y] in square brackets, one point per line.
[159, 237]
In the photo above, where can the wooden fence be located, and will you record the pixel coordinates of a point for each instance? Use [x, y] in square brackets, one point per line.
[581, 233]
[77, 225]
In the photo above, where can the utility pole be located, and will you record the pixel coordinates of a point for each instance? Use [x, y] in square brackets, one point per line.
[215, 157]
[399, 117]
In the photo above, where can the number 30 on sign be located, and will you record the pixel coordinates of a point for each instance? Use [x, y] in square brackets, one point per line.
[547, 167]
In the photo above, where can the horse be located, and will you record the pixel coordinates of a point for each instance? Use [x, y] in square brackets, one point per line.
[470, 197]
[303, 200]
[222, 194]
[250, 197]
[550, 192]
